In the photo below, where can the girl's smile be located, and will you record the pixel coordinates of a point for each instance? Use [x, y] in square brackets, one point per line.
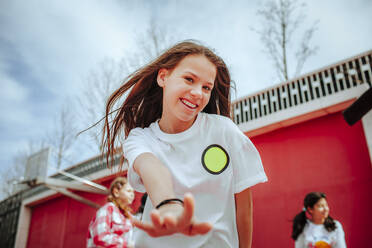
[189, 104]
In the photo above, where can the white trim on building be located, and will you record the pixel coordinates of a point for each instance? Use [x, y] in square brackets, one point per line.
[327, 90]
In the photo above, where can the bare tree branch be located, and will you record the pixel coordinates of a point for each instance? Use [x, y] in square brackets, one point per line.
[99, 84]
[305, 51]
[280, 19]
[62, 135]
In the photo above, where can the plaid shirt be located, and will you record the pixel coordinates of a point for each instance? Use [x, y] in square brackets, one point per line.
[109, 228]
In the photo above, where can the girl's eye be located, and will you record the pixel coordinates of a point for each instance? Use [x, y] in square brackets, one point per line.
[189, 79]
[207, 88]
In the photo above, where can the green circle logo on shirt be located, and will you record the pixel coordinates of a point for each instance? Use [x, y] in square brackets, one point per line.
[215, 159]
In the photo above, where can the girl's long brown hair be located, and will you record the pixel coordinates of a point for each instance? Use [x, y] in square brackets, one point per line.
[143, 105]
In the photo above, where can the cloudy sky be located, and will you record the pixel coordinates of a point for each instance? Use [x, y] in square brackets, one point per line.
[48, 47]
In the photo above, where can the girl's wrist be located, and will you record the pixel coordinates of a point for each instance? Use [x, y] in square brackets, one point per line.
[169, 201]
[172, 209]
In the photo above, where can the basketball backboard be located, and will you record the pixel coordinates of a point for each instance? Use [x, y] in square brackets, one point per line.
[37, 165]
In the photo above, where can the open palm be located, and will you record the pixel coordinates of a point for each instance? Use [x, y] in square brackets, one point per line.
[174, 218]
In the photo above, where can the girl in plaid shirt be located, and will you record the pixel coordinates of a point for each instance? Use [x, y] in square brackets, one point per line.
[111, 227]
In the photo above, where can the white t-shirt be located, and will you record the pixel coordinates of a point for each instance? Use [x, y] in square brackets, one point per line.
[213, 160]
[315, 235]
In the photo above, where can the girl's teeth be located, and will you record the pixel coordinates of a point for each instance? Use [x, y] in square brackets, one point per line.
[189, 104]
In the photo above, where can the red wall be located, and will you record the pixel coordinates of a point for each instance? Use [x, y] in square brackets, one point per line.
[63, 222]
[324, 154]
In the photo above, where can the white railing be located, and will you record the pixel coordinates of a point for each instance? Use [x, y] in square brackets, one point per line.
[324, 83]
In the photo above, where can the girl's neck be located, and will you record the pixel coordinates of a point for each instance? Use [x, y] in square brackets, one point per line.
[174, 127]
[318, 221]
[122, 207]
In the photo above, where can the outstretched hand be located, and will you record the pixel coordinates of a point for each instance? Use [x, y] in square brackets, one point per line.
[174, 218]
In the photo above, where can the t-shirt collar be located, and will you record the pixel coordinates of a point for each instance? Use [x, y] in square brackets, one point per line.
[176, 136]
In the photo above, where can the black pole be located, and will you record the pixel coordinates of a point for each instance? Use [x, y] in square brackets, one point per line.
[359, 108]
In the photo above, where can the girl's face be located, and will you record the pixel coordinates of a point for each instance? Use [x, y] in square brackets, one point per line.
[320, 211]
[186, 91]
[125, 194]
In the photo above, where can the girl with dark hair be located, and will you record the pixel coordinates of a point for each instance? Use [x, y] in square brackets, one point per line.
[314, 228]
[185, 152]
[111, 227]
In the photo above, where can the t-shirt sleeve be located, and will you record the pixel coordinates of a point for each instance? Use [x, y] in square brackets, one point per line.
[340, 236]
[134, 145]
[246, 161]
[300, 241]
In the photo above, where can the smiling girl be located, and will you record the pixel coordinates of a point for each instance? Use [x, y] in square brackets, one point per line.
[185, 152]
[314, 228]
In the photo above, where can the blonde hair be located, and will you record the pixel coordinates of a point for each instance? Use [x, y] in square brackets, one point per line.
[118, 183]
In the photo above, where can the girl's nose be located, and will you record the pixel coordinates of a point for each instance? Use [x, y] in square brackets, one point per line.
[196, 91]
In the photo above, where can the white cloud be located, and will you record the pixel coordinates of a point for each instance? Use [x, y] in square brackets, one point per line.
[344, 30]
[11, 91]
[61, 42]
[14, 104]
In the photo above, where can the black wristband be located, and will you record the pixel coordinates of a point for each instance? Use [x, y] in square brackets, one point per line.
[166, 201]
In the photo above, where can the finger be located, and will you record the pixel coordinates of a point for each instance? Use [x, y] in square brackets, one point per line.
[200, 228]
[197, 229]
[170, 222]
[156, 219]
[188, 210]
[147, 227]
[135, 221]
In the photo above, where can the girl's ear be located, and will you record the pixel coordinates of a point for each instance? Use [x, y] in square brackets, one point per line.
[115, 192]
[310, 210]
[162, 74]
